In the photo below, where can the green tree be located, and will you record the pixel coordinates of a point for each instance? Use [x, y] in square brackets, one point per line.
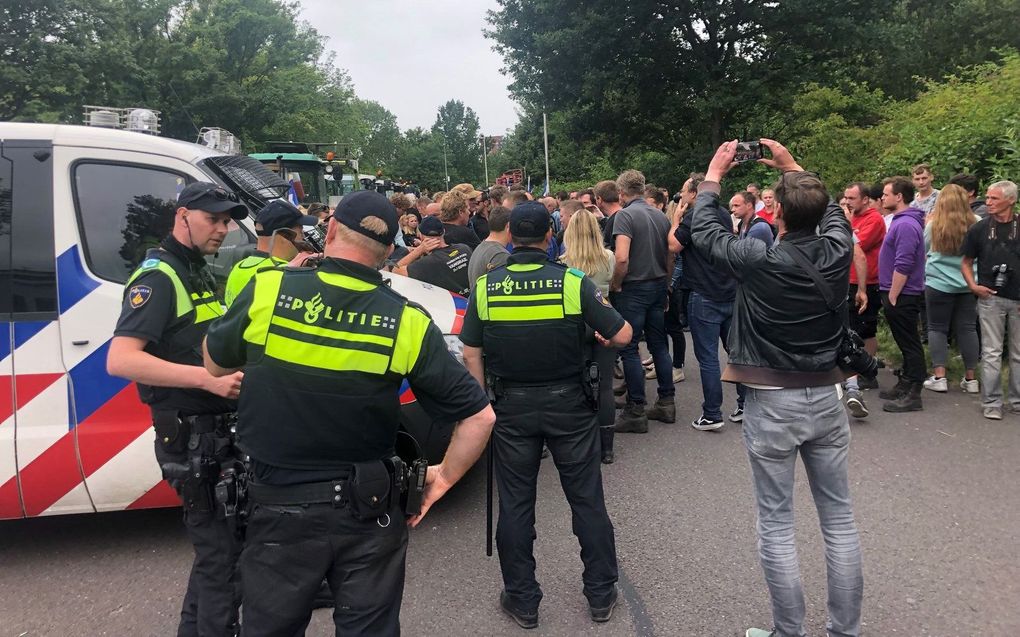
[457, 129]
[421, 160]
[381, 141]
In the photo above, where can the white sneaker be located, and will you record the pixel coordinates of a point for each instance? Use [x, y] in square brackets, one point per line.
[678, 375]
[970, 386]
[937, 384]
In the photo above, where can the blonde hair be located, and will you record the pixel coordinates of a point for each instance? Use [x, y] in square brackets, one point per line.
[950, 220]
[584, 249]
[454, 203]
[376, 250]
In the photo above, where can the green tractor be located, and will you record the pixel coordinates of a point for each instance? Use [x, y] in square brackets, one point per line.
[322, 172]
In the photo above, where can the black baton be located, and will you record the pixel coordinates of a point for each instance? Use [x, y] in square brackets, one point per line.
[488, 498]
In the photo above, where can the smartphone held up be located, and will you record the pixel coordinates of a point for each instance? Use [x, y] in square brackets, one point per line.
[748, 151]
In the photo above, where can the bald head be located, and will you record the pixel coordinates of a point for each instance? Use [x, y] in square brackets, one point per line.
[432, 210]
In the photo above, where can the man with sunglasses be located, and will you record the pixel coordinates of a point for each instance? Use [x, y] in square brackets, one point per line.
[168, 305]
[279, 227]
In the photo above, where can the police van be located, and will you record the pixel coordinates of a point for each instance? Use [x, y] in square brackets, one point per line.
[79, 206]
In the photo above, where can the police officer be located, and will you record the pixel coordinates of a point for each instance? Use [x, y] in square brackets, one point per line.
[168, 304]
[281, 218]
[324, 352]
[529, 320]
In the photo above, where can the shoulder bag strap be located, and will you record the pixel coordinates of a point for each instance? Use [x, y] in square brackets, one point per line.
[816, 276]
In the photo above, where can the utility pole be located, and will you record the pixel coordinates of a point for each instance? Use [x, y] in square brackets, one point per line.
[485, 160]
[545, 137]
[446, 168]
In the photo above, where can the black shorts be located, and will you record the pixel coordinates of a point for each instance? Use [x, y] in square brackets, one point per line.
[866, 324]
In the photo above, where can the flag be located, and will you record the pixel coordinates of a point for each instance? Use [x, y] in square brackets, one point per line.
[292, 193]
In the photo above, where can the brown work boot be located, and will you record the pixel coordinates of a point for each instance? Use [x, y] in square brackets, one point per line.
[664, 410]
[632, 420]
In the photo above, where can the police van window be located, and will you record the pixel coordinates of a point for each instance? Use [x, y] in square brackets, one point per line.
[237, 245]
[32, 289]
[5, 239]
[123, 210]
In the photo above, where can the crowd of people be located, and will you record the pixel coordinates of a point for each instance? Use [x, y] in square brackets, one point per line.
[634, 239]
[782, 278]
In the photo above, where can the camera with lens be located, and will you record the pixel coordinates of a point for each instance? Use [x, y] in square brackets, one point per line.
[852, 357]
[1001, 274]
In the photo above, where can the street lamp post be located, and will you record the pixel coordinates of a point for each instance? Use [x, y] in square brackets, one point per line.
[485, 160]
[446, 168]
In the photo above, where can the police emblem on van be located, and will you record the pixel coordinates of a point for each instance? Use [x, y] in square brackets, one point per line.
[138, 295]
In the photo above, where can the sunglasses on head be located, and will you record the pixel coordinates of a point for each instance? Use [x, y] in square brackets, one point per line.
[218, 193]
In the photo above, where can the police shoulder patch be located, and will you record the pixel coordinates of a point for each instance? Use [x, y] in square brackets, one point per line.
[139, 295]
[601, 299]
[579, 274]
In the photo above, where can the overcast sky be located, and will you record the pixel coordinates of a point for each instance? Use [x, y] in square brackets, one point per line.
[412, 56]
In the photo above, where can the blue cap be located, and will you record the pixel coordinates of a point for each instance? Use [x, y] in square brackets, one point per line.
[279, 214]
[529, 220]
[431, 227]
[207, 196]
[355, 207]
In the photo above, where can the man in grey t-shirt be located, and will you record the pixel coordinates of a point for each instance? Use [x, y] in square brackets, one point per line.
[638, 292]
[491, 253]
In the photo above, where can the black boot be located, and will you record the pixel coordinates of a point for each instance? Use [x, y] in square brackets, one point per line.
[607, 434]
[910, 401]
[632, 420]
[901, 387]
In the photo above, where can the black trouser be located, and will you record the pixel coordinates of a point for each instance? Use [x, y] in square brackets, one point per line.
[676, 318]
[605, 357]
[290, 549]
[902, 319]
[214, 588]
[558, 416]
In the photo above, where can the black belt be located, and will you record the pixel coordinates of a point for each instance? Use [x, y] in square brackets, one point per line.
[333, 492]
[208, 423]
[560, 382]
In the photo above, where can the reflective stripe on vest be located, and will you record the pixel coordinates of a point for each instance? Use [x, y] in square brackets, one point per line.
[206, 305]
[243, 271]
[523, 305]
[326, 348]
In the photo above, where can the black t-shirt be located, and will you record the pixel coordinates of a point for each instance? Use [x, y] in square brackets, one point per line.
[461, 234]
[446, 267]
[608, 239]
[149, 312]
[700, 275]
[480, 226]
[991, 245]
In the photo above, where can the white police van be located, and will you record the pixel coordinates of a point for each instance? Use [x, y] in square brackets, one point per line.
[79, 206]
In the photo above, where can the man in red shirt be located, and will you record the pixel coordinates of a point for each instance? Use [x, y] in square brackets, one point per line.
[869, 232]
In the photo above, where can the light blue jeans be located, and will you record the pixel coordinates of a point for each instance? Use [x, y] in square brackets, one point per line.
[994, 314]
[777, 425]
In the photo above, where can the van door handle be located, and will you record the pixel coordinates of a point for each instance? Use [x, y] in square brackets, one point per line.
[79, 342]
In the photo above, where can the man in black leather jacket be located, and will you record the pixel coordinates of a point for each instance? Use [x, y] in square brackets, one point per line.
[783, 347]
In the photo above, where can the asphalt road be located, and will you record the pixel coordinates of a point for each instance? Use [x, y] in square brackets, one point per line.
[937, 498]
